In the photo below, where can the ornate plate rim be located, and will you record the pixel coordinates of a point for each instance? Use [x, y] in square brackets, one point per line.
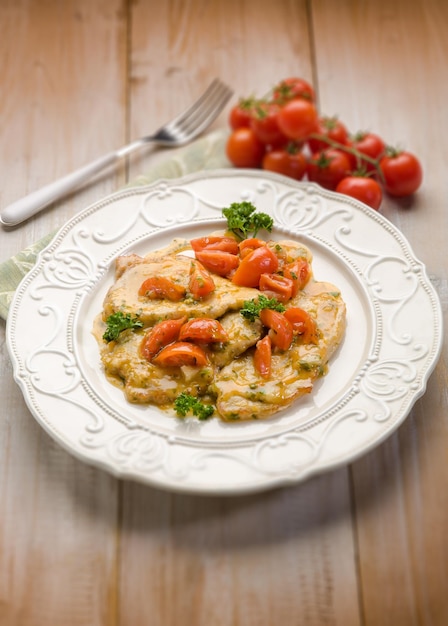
[137, 453]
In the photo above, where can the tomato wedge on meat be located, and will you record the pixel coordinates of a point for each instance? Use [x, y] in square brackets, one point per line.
[276, 286]
[299, 272]
[159, 287]
[263, 357]
[247, 245]
[281, 332]
[160, 336]
[260, 261]
[203, 330]
[302, 324]
[225, 244]
[181, 353]
[217, 261]
[201, 283]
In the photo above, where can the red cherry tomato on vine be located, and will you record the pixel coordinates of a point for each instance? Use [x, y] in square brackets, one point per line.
[362, 188]
[333, 129]
[240, 114]
[328, 168]
[291, 88]
[297, 119]
[369, 144]
[402, 173]
[282, 161]
[264, 123]
[244, 149]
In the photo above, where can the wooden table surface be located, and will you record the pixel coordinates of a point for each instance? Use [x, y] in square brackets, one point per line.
[365, 544]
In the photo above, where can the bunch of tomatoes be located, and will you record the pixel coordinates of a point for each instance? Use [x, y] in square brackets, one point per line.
[285, 133]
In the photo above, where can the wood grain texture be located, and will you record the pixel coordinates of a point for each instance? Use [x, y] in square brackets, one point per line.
[401, 488]
[360, 546]
[63, 95]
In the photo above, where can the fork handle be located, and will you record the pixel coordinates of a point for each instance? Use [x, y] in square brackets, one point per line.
[34, 202]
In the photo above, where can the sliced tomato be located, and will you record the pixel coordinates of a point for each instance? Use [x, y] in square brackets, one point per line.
[217, 261]
[203, 330]
[181, 353]
[263, 357]
[276, 286]
[281, 332]
[302, 324]
[159, 287]
[260, 261]
[226, 244]
[299, 272]
[201, 283]
[160, 336]
[247, 245]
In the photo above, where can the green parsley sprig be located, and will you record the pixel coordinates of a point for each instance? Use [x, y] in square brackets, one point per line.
[251, 309]
[118, 322]
[243, 219]
[186, 403]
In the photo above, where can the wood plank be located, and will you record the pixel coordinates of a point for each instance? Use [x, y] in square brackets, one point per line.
[401, 488]
[63, 102]
[282, 557]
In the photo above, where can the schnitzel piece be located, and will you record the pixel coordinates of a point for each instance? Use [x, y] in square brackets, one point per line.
[242, 393]
[123, 295]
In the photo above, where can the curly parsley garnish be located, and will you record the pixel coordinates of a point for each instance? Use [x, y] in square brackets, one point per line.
[243, 219]
[251, 308]
[186, 403]
[117, 322]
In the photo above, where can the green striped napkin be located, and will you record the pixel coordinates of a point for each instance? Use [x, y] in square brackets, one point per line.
[203, 154]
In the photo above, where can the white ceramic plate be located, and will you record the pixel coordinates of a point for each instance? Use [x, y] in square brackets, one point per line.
[392, 342]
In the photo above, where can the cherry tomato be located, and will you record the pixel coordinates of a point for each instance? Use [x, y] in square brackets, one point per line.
[181, 353]
[244, 149]
[291, 88]
[203, 330]
[218, 262]
[299, 272]
[247, 245]
[260, 261]
[362, 188]
[282, 161]
[297, 119]
[160, 336]
[226, 244]
[201, 284]
[402, 173]
[328, 167]
[281, 332]
[302, 323]
[276, 286]
[240, 114]
[263, 356]
[369, 144]
[330, 127]
[159, 287]
[264, 123]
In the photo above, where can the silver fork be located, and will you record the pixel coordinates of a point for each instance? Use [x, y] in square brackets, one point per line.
[178, 132]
